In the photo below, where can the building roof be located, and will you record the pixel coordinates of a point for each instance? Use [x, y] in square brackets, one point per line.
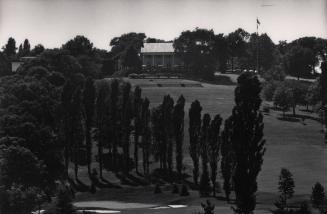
[158, 48]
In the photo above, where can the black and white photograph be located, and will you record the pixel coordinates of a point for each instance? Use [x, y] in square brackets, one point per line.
[163, 106]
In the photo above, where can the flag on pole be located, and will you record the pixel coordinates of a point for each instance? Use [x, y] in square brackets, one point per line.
[258, 21]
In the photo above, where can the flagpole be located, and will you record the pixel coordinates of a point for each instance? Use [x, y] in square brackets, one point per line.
[257, 45]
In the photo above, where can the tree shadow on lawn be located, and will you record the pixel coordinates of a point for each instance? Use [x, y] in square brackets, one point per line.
[141, 181]
[103, 183]
[167, 177]
[78, 185]
[126, 181]
[297, 118]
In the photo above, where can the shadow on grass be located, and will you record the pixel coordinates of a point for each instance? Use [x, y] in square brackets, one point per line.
[140, 181]
[125, 180]
[288, 119]
[78, 185]
[301, 117]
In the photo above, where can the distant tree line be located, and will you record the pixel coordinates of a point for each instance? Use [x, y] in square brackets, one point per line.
[202, 51]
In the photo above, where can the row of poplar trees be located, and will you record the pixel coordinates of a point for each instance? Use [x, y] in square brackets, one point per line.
[240, 145]
[115, 117]
[110, 114]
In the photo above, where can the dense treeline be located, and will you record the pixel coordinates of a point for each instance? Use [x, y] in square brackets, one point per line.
[202, 51]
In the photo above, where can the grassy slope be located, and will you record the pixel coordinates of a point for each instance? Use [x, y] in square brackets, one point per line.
[293, 145]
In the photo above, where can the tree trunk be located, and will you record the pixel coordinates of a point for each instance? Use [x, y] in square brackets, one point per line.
[89, 148]
[100, 153]
[136, 155]
[144, 160]
[214, 188]
[293, 110]
[126, 155]
[76, 169]
[66, 160]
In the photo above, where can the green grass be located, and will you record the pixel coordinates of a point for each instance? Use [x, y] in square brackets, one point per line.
[293, 145]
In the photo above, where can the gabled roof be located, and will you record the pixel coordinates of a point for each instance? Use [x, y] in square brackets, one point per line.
[158, 48]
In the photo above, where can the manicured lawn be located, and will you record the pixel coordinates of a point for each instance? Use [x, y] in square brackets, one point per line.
[294, 145]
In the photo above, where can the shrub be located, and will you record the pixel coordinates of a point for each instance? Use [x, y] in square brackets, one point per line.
[208, 207]
[175, 189]
[318, 195]
[157, 189]
[184, 191]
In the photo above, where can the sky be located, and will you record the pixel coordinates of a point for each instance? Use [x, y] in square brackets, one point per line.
[53, 22]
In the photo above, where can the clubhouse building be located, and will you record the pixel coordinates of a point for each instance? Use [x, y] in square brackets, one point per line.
[159, 55]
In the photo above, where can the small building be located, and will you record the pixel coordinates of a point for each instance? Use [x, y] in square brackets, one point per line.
[159, 55]
[17, 63]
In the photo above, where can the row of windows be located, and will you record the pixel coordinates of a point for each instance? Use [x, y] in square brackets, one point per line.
[164, 60]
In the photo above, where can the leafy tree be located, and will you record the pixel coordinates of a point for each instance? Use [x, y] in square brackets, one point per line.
[108, 67]
[298, 92]
[26, 47]
[154, 40]
[247, 141]
[131, 60]
[125, 41]
[196, 50]
[37, 50]
[237, 44]
[275, 73]
[89, 103]
[18, 199]
[283, 98]
[318, 195]
[208, 207]
[5, 67]
[194, 133]
[80, 45]
[220, 49]
[20, 51]
[178, 116]
[19, 165]
[10, 48]
[205, 188]
[269, 88]
[323, 87]
[126, 48]
[312, 94]
[63, 204]
[298, 61]
[261, 49]
[285, 186]
[323, 83]
[214, 149]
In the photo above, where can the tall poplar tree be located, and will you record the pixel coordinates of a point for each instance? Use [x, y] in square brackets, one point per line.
[247, 141]
[146, 134]
[214, 149]
[178, 117]
[89, 102]
[194, 133]
[126, 119]
[137, 122]
[204, 150]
